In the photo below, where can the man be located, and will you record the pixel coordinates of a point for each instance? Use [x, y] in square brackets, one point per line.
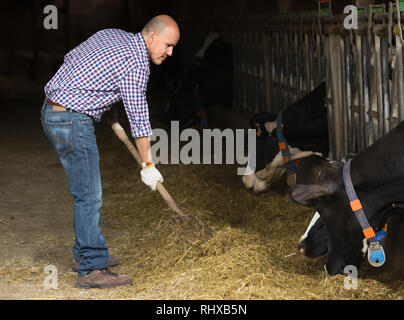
[109, 66]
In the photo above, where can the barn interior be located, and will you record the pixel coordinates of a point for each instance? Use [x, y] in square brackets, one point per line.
[253, 253]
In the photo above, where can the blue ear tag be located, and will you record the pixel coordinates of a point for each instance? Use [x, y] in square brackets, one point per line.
[376, 254]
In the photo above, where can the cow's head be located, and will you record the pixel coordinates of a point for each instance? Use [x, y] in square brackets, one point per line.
[344, 232]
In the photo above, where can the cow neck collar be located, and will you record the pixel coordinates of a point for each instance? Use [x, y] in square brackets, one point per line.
[376, 256]
[283, 145]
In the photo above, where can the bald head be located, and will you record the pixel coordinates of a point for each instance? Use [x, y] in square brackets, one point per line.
[161, 34]
[159, 24]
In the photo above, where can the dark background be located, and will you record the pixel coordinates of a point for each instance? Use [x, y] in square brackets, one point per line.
[29, 50]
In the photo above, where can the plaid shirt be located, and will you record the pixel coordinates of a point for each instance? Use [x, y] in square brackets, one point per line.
[109, 66]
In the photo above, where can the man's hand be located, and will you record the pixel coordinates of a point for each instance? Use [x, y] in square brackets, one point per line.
[150, 175]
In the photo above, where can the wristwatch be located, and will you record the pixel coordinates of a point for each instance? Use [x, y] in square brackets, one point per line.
[147, 165]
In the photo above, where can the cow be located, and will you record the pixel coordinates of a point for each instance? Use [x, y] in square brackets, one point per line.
[314, 242]
[304, 125]
[209, 81]
[377, 176]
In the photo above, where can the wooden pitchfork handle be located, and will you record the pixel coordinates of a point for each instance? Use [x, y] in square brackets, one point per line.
[121, 134]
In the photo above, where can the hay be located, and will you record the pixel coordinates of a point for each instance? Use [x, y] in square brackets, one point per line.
[252, 255]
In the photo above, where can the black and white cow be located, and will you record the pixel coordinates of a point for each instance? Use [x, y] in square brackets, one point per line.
[314, 242]
[305, 129]
[377, 175]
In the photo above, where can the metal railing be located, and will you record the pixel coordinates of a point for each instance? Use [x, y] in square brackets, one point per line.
[277, 61]
[365, 79]
[280, 60]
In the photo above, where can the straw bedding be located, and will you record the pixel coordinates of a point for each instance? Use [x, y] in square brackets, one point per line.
[252, 255]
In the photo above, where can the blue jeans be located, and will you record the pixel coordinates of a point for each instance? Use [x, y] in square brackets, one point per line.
[72, 136]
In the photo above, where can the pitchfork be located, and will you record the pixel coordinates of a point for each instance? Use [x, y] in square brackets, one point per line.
[191, 228]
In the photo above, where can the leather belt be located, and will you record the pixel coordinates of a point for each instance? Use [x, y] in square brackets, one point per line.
[56, 106]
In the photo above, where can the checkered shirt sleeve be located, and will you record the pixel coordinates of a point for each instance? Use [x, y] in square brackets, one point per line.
[133, 88]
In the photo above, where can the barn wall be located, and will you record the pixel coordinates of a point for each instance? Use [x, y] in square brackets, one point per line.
[27, 45]
[279, 54]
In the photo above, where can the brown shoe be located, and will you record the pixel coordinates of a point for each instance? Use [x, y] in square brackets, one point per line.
[112, 262]
[103, 279]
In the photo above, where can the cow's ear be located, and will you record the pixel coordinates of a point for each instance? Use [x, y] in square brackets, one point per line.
[308, 195]
[303, 194]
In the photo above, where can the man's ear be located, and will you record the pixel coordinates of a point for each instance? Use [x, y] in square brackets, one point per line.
[152, 35]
